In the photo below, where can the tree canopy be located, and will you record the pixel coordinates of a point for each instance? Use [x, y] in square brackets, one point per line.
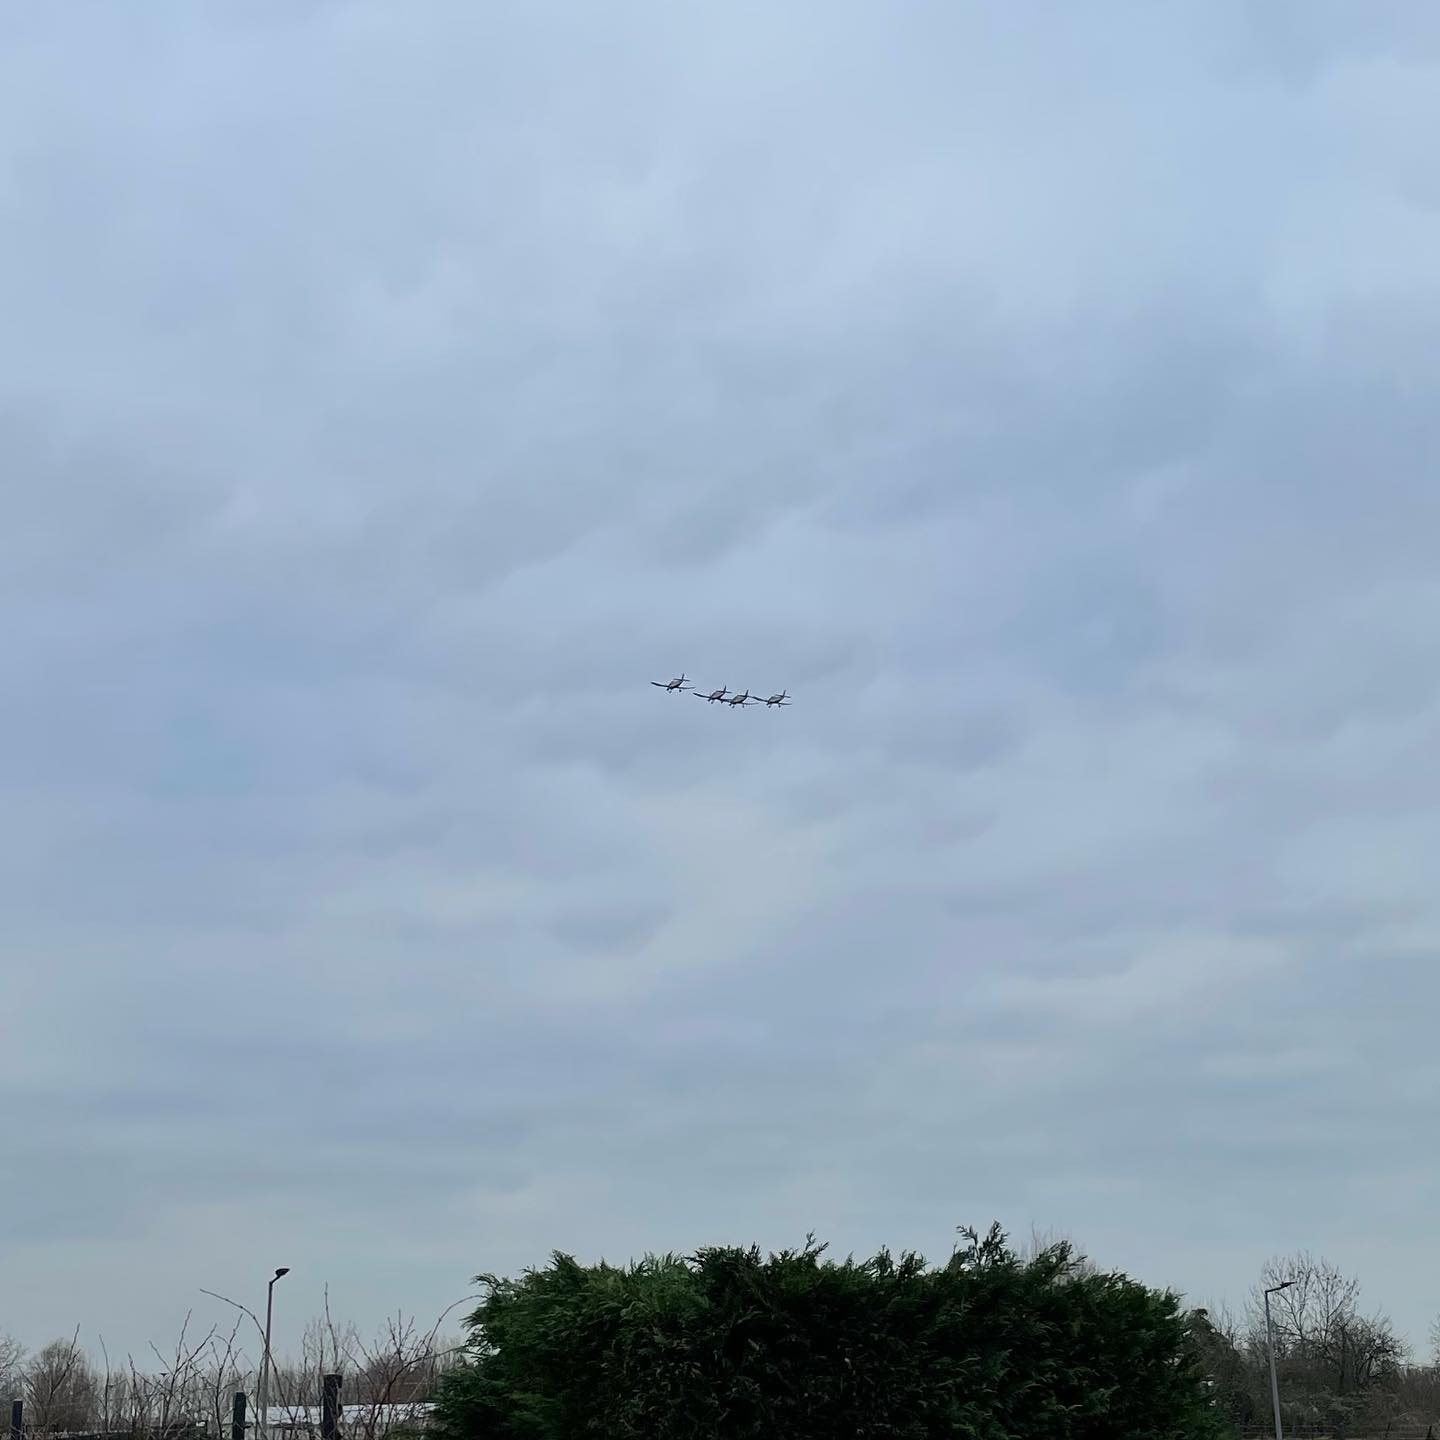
[729, 1344]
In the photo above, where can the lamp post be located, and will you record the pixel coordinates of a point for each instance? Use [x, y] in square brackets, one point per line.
[263, 1419]
[1270, 1346]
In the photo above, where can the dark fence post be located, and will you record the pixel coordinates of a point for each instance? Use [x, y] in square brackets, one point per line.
[17, 1420]
[237, 1417]
[330, 1410]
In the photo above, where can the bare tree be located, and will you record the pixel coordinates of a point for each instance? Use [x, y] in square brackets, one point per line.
[226, 1370]
[401, 1368]
[387, 1380]
[185, 1390]
[1319, 1300]
[1319, 1327]
[1339, 1368]
[171, 1397]
[60, 1387]
[12, 1362]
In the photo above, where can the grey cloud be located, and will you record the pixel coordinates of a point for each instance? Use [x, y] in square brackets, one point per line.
[387, 396]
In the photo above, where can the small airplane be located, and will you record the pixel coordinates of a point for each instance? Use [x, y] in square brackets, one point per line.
[743, 698]
[783, 698]
[713, 696]
[678, 683]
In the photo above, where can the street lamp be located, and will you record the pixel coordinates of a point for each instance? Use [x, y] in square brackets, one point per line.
[264, 1387]
[1270, 1346]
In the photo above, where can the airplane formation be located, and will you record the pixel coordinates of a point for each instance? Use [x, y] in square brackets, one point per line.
[723, 696]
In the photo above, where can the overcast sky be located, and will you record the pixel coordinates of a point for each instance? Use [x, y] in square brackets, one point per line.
[1046, 394]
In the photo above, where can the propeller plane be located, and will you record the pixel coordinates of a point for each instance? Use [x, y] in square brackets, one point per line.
[736, 699]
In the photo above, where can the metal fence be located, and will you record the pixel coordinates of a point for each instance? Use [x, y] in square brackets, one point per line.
[1399, 1430]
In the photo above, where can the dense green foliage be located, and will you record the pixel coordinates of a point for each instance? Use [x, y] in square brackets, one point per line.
[732, 1345]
